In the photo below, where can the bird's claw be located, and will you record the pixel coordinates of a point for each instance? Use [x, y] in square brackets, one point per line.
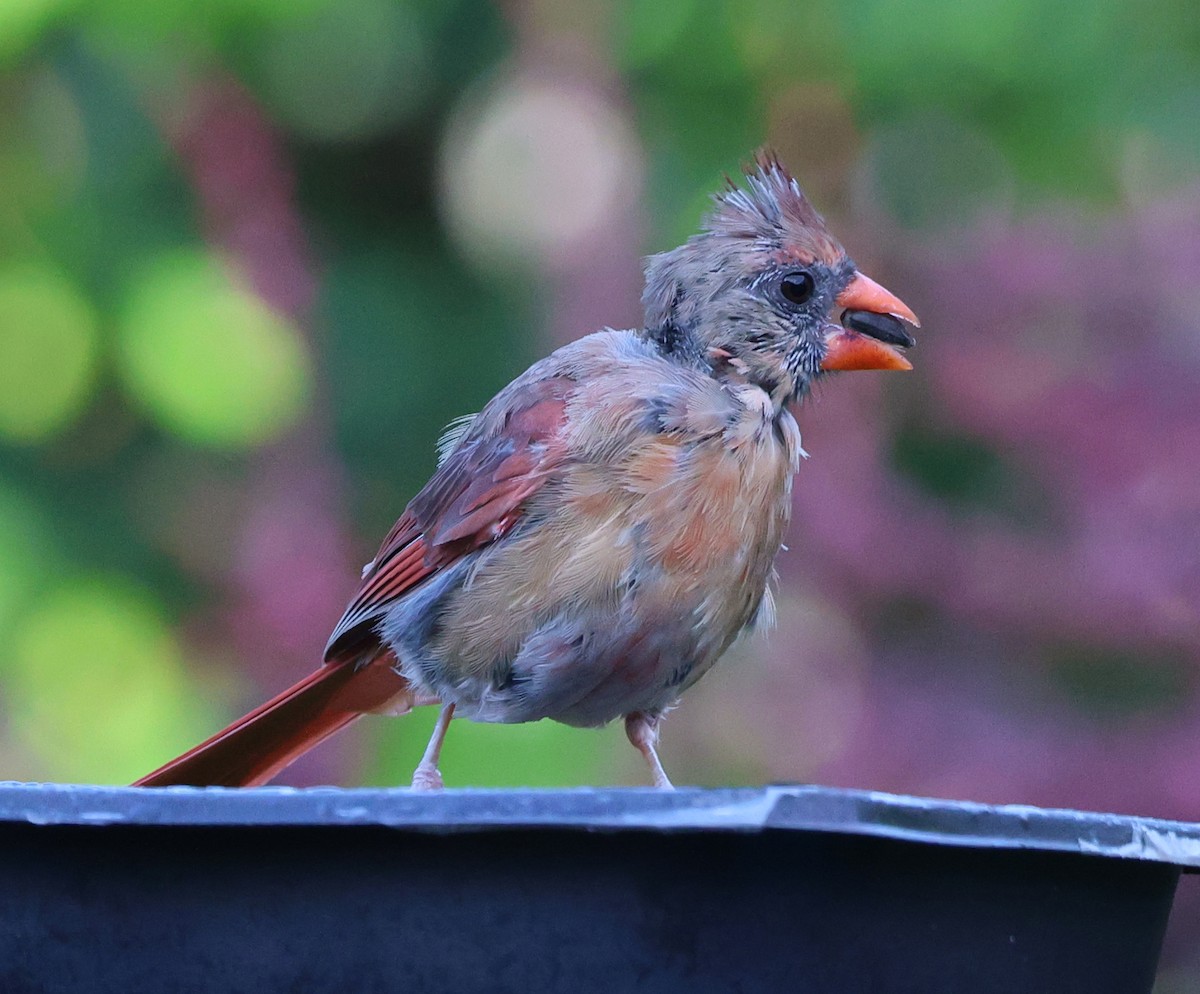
[427, 778]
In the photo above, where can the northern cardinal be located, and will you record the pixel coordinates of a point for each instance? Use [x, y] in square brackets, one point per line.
[596, 537]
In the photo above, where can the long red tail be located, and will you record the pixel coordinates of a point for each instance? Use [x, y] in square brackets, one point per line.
[259, 745]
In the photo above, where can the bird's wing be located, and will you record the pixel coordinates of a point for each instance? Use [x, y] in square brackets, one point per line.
[475, 497]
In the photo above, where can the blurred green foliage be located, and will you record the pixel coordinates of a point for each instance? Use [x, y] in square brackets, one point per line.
[1118, 685]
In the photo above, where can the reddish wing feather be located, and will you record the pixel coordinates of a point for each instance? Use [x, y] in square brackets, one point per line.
[407, 567]
[474, 498]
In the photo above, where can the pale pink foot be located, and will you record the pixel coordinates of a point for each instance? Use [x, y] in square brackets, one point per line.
[427, 776]
[642, 730]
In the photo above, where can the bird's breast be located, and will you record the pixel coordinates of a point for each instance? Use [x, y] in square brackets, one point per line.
[718, 517]
[647, 553]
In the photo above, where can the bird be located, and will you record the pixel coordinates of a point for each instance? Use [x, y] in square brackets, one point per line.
[600, 533]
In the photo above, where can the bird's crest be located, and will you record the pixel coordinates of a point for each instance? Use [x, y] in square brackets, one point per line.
[771, 207]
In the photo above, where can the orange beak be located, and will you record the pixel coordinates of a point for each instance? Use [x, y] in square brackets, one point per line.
[871, 329]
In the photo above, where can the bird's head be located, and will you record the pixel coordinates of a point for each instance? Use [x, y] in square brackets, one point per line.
[766, 290]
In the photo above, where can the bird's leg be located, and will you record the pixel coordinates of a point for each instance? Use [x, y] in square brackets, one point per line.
[642, 729]
[427, 776]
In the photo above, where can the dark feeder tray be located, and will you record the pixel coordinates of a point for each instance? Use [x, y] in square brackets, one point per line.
[774, 889]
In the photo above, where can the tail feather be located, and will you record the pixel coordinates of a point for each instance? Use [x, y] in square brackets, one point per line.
[258, 746]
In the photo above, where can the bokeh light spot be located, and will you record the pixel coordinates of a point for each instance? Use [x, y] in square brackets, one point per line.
[208, 359]
[534, 170]
[48, 353]
[96, 688]
[22, 21]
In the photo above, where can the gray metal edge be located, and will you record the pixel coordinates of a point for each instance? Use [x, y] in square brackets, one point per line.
[740, 809]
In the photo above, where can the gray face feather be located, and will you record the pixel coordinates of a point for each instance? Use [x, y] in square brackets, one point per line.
[733, 287]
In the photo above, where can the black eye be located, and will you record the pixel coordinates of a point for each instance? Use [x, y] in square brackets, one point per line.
[797, 287]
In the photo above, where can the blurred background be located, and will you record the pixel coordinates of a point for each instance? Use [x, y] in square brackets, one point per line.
[255, 253]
